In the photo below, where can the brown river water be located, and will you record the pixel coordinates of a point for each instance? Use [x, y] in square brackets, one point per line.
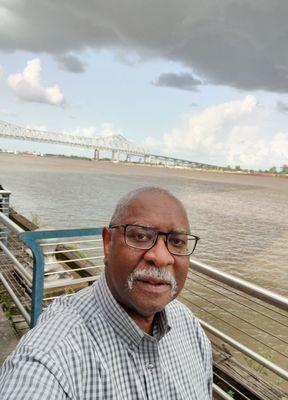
[242, 220]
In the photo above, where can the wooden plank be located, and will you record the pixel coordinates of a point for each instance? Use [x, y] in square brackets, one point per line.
[22, 221]
[252, 384]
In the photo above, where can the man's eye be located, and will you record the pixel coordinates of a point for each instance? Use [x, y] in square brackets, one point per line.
[139, 236]
[178, 241]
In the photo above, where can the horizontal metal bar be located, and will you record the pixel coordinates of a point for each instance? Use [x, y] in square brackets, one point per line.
[221, 393]
[16, 300]
[240, 284]
[66, 282]
[70, 242]
[71, 270]
[74, 259]
[18, 266]
[10, 224]
[56, 297]
[48, 253]
[239, 346]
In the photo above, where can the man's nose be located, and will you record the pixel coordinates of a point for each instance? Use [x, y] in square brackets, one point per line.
[159, 254]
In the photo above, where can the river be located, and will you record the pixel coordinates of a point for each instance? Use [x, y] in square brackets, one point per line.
[242, 220]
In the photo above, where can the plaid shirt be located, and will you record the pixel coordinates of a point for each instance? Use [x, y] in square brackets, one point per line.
[87, 347]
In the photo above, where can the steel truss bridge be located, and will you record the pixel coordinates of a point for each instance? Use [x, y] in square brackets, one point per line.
[116, 144]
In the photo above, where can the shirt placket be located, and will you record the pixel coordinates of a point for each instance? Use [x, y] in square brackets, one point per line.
[149, 356]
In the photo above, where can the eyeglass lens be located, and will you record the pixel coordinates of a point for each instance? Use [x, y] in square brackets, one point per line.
[144, 238]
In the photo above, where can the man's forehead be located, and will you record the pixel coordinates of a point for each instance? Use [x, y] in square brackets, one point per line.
[156, 204]
[149, 199]
[151, 205]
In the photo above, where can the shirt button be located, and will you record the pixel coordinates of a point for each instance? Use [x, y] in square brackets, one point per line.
[150, 366]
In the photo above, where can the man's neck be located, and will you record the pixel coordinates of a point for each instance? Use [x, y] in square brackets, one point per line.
[144, 323]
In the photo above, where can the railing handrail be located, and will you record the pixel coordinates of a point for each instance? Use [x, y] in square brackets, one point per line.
[241, 284]
[244, 349]
[10, 224]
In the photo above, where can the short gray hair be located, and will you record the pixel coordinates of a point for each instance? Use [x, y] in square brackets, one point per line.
[123, 203]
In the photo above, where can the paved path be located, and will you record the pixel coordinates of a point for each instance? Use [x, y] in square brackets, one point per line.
[8, 338]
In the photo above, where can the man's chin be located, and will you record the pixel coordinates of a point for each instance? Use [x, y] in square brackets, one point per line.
[150, 303]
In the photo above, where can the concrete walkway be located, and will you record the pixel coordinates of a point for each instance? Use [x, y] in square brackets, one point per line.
[8, 337]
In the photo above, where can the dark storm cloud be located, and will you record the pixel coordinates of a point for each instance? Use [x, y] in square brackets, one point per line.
[184, 81]
[282, 107]
[238, 43]
[71, 63]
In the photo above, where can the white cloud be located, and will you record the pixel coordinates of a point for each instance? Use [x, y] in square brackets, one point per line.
[7, 112]
[229, 133]
[37, 127]
[105, 129]
[2, 71]
[28, 86]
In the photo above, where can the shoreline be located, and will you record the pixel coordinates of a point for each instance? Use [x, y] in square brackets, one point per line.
[57, 164]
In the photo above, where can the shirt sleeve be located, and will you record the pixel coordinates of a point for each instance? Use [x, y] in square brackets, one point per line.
[24, 377]
[209, 370]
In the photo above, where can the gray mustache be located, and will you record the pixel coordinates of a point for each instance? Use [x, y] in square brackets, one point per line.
[153, 272]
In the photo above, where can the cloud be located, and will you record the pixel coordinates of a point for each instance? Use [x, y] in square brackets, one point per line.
[282, 106]
[106, 129]
[28, 86]
[7, 113]
[184, 81]
[233, 131]
[2, 72]
[234, 43]
[71, 63]
[37, 127]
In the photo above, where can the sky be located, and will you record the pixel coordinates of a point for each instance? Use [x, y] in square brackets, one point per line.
[206, 80]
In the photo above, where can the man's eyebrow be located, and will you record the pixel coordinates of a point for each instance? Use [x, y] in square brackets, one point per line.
[142, 224]
[176, 230]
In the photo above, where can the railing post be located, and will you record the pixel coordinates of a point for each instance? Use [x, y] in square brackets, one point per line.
[38, 275]
[37, 286]
[33, 241]
[4, 208]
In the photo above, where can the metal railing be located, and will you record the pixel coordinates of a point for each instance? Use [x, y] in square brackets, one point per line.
[249, 318]
[14, 266]
[4, 208]
[256, 291]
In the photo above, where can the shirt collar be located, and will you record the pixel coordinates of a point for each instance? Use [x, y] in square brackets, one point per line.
[121, 322]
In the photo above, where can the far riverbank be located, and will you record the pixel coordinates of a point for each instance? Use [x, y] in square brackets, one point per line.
[55, 164]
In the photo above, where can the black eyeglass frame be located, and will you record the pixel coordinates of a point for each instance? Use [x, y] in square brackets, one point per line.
[166, 234]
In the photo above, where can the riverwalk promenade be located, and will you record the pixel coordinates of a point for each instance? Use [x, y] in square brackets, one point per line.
[8, 337]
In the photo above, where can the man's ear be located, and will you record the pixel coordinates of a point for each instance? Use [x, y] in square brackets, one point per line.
[106, 237]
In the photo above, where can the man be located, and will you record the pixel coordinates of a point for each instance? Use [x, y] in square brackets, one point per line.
[122, 338]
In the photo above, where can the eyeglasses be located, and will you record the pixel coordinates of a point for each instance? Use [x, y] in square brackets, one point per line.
[144, 238]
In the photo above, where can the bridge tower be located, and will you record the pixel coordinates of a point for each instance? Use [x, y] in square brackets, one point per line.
[96, 155]
[115, 156]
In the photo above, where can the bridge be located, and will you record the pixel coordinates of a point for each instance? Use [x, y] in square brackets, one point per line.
[116, 144]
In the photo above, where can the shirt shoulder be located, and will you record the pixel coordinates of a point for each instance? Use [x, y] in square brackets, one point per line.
[177, 312]
[65, 317]
[181, 319]
[55, 349]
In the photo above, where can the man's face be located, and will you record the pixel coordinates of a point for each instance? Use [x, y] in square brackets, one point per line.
[147, 295]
